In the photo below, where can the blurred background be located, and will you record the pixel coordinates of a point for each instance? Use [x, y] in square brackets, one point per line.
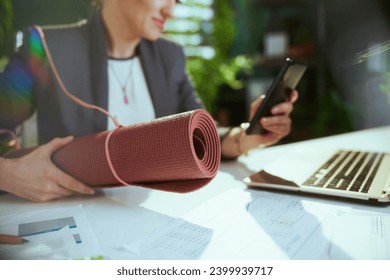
[236, 47]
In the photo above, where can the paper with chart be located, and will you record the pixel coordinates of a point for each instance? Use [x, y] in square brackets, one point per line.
[361, 235]
[290, 221]
[178, 240]
[58, 233]
[254, 225]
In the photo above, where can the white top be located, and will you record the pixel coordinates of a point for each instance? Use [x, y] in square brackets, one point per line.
[128, 95]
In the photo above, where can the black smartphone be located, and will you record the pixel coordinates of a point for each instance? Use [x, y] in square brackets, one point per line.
[287, 79]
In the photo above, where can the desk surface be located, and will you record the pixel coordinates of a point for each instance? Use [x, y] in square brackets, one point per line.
[124, 215]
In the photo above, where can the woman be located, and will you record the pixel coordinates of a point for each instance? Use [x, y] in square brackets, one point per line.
[119, 52]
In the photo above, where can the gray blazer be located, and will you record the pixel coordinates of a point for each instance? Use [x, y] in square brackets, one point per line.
[80, 55]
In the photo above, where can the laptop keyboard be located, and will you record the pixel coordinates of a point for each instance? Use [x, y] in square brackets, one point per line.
[347, 170]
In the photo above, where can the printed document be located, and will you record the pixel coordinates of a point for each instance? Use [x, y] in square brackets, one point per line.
[361, 235]
[241, 224]
[62, 233]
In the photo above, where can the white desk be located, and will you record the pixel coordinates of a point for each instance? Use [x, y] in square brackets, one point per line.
[123, 215]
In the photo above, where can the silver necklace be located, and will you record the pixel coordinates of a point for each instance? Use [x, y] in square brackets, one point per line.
[123, 85]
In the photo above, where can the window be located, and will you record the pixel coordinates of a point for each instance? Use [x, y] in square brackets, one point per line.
[191, 27]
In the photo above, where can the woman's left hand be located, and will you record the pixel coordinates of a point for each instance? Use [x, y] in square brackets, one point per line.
[278, 125]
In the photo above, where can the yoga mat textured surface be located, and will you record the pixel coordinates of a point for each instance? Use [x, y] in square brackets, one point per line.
[178, 153]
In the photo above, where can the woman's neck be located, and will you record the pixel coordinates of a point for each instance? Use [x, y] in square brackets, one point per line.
[121, 41]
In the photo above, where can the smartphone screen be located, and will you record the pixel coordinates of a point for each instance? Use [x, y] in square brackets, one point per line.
[279, 91]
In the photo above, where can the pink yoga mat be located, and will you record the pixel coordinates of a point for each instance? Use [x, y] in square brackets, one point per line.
[178, 153]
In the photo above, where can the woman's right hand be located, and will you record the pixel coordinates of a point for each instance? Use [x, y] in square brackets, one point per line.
[36, 178]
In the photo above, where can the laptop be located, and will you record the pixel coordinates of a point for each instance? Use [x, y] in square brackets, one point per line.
[361, 175]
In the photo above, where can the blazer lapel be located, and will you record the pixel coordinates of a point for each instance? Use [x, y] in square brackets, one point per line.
[98, 56]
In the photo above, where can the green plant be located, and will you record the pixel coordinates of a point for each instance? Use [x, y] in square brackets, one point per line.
[333, 115]
[209, 74]
[385, 86]
[6, 29]
[3, 62]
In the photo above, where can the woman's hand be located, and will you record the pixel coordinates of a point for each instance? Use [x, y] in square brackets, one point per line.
[35, 177]
[278, 126]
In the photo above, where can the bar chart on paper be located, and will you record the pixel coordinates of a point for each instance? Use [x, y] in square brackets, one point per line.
[55, 233]
[43, 226]
[289, 221]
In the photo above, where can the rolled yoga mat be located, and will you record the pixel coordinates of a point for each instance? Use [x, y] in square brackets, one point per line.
[178, 153]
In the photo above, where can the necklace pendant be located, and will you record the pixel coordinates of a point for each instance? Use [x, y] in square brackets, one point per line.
[125, 99]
